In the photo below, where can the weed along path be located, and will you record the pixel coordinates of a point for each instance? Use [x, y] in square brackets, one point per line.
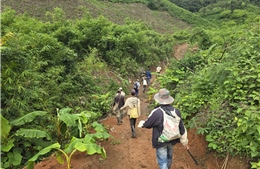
[124, 152]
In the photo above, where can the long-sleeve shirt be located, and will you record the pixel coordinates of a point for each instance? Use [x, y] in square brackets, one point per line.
[155, 121]
[120, 99]
[132, 102]
[148, 74]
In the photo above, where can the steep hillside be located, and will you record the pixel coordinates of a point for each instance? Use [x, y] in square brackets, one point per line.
[116, 12]
[126, 152]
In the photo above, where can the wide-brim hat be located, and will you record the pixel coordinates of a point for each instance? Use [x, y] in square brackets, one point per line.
[163, 97]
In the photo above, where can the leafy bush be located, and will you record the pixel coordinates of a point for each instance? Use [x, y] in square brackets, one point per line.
[219, 92]
[62, 63]
[34, 134]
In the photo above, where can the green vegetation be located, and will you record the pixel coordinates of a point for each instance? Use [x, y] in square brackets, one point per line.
[63, 67]
[218, 89]
[196, 5]
[187, 16]
[58, 72]
[19, 144]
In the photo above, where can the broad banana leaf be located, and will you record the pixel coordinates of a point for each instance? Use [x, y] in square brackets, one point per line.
[99, 127]
[68, 119]
[88, 139]
[30, 163]
[32, 133]
[86, 115]
[71, 145]
[90, 149]
[101, 136]
[27, 118]
[65, 110]
[5, 127]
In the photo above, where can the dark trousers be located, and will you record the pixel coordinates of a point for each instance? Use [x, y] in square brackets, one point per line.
[132, 125]
[136, 91]
[144, 87]
[148, 81]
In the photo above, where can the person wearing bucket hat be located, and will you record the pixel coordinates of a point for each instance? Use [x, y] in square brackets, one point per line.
[163, 97]
[164, 150]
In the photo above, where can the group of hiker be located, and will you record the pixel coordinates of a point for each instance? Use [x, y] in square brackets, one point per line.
[146, 77]
[164, 150]
[119, 100]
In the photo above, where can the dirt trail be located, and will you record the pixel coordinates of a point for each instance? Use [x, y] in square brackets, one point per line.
[124, 152]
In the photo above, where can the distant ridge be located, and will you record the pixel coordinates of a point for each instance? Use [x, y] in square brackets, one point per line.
[160, 21]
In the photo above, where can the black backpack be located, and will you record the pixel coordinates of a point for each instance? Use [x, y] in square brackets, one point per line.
[135, 85]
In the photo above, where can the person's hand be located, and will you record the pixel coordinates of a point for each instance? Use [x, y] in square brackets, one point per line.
[186, 146]
[140, 125]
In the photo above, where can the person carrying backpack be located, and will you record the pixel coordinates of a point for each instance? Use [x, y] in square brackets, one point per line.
[119, 101]
[134, 110]
[164, 150]
[136, 87]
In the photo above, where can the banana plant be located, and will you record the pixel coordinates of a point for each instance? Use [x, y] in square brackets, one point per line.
[67, 121]
[11, 156]
[87, 144]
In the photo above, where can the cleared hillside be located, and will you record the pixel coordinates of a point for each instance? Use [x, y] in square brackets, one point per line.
[160, 21]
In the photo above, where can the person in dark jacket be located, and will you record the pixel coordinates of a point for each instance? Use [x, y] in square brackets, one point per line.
[136, 87]
[148, 76]
[164, 150]
[119, 102]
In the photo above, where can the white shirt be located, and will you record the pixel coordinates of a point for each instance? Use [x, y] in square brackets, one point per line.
[158, 69]
[144, 82]
[122, 93]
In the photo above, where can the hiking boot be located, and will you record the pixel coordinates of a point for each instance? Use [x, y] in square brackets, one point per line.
[119, 122]
[121, 118]
[133, 135]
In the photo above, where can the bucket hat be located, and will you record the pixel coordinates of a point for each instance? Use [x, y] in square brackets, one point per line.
[163, 97]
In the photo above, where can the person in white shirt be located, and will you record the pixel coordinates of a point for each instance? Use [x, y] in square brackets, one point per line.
[158, 69]
[144, 84]
[122, 92]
